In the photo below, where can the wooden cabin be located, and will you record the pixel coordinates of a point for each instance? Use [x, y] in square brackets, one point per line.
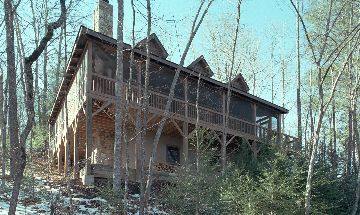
[82, 118]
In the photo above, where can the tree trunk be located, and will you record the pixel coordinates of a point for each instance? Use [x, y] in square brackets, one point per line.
[36, 33]
[11, 78]
[13, 118]
[228, 94]
[298, 95]
[45, 76]
[20, 52]
[118, 100]
[197, 145]
[349, 143]
[3, 129]
[357, 192]
[311, 115]
[140, 144]
[145, 105]
[126, 190]
[128, 98]
[58, 65]
[333, 151]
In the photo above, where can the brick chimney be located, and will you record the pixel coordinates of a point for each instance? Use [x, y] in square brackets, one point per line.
[103, 17]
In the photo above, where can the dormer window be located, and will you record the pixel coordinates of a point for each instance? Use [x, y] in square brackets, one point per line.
[239, 83]
[200, 65]
[155, 46]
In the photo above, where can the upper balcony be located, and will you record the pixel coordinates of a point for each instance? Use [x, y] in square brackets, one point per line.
[249, 117]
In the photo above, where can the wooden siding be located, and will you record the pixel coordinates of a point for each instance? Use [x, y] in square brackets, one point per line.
[75, 100]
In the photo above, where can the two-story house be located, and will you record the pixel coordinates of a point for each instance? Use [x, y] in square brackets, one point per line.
[82, 115]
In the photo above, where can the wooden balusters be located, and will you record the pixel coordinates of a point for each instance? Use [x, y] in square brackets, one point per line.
[105, 86]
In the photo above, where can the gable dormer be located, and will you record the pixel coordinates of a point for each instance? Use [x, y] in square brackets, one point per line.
[239, 83]
[156, 47]
[201, 66]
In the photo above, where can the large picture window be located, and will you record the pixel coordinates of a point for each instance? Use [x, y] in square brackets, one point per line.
[173, 155]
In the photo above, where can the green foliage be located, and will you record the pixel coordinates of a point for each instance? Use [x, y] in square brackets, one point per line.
[40, 136]
[332, 194]
[200, 188]
[114, 201]
[274, 183]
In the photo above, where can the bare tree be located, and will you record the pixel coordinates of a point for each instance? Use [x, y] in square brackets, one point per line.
[145, 105]
[298, 94]
[36, 69]
[58, 64]
[3, 128]
[228, 94]
[195, 27]
[128, 98]
[118, 99]
[11, 78]
[45, 74]
[197, 142]
[333, 157]
[18, 141]
[357, 192]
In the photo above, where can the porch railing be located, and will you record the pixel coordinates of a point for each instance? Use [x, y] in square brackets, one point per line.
[104, 87]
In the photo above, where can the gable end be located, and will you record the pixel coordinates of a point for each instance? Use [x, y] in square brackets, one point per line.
[200, 65]
[156, 47]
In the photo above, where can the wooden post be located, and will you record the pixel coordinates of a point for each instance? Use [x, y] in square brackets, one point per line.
[278, 136]
[255, 126]
[48, 148]
[185, 124]
[76, 151]
[67, 154]
[68, 159]
[89, 135]
[185, 142]
[88, 112]
[269, 129]
[254, 149]
[60, 160]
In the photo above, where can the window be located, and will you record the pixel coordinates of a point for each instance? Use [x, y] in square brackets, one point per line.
[173, 155]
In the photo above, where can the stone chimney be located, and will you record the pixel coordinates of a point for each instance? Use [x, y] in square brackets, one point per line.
[103, 18]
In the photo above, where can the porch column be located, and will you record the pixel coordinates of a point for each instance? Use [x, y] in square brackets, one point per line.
[270, 123]
[89, 136]
[269, 131]
[185, 142]
[67, 151]
[185, 126]
[60, 160]
[67, 158]
[279, 134]
[76, 151]
[50, 161]
[255, 125]
[87, 179]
